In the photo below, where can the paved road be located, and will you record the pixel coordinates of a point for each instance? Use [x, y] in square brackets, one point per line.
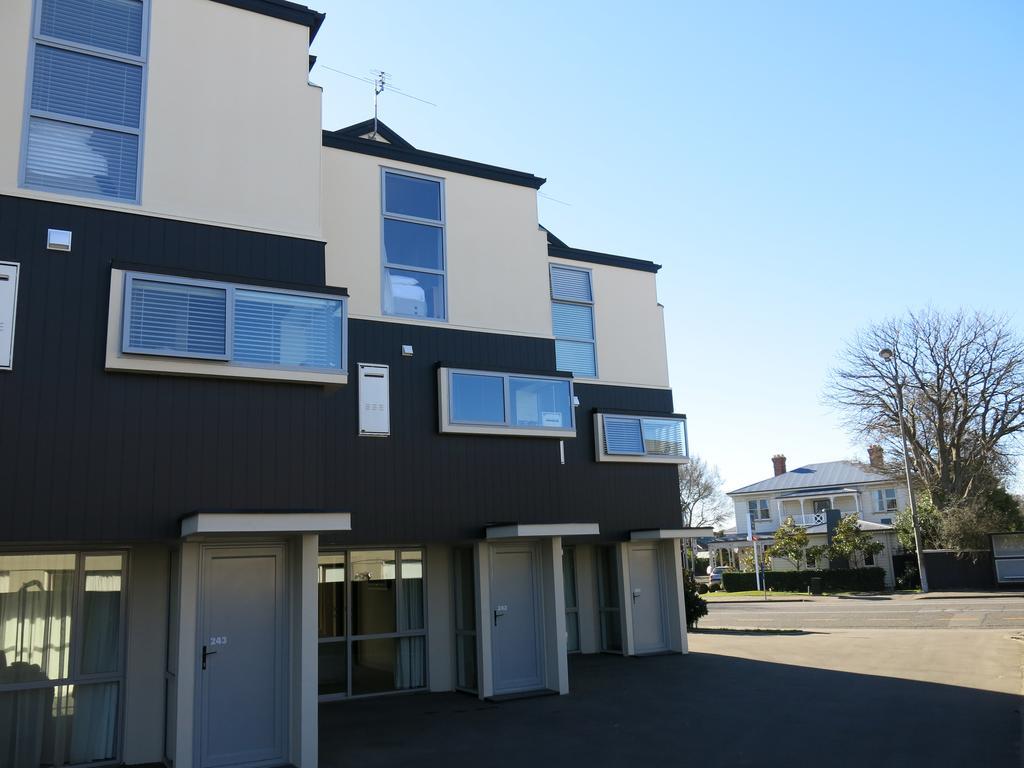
[896, 698]
[883, 612]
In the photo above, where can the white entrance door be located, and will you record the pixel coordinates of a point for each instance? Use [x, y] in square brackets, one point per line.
[518, 661]
[242, 657]
[648, 606]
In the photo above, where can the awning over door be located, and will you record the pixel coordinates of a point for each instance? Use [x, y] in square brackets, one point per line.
[541, 530]
[659, 534]
[265, 522]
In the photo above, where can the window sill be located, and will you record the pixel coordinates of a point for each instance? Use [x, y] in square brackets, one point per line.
[499, 431]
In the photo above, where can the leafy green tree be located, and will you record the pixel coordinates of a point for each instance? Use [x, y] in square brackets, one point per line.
[815, 553]
[929, 518]
[696, 606]
[790, 541]
[849, 541]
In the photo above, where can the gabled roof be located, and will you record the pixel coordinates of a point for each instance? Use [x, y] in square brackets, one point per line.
[829, 474]
[359, 138]
[284, 10]
[365, 130]
[559, 250]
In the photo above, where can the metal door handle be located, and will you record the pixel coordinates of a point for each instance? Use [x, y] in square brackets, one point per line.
[205, 654]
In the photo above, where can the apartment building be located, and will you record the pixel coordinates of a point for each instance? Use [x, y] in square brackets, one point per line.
[289, 415]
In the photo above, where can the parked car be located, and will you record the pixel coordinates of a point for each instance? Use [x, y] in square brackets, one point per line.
[715, 574]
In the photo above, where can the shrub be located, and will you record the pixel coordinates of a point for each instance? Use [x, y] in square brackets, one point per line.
[836, 580]
[696, 606]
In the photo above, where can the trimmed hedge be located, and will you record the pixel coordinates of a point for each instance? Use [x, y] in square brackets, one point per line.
[837, 580]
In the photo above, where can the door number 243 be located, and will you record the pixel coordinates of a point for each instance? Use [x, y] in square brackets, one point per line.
[218, 640]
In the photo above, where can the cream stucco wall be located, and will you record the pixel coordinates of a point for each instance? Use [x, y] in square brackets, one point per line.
[496, 253]
[497, 266]
[231, 123]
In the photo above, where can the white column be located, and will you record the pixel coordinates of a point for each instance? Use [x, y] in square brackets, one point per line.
[586, 599]
[675, 595]
[832, 502]
[556, 654]
[856, 501]
[439, 618]
[802, 509]
[305, 662]
[626, 612]
[147, 593]
[184, 718]
[485, 664]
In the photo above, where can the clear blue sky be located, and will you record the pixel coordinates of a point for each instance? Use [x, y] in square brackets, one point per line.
[799, 168]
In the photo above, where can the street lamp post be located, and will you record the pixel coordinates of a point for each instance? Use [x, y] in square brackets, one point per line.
[888, 356]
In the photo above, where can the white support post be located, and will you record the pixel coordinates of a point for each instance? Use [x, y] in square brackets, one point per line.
[676, 594]
[626, 613]
[482, 558]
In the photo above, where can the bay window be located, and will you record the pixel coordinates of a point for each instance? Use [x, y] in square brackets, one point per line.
[641, 438]
[484, 402]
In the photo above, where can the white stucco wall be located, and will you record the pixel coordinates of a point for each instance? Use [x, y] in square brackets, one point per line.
[231, 123]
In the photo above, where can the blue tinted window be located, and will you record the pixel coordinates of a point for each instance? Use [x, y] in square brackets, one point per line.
[411, 196]
[114, 25]
[77, 85]
[413, 245]
[622, 436]
[540, 403]
[664, 437]
[414, 294]
[75, 158]
[576, 357]
[477, 398]
[178, 320]
[287, 330]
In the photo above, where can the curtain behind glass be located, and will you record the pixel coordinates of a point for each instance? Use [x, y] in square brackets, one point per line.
[101, 614]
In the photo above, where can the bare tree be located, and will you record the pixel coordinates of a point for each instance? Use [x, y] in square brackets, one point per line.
[700, 494]
[963, 392]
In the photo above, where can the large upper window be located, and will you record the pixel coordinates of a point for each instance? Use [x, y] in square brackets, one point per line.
[482, 402]
[238, 324]
[414, 248]
[61, 657]
[572, 319]
[623, 437]
[83, 132]
[758, 509]
[885, 500]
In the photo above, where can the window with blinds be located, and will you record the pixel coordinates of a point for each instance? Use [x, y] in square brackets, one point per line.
[624, 437]
[238, 324]
[572, 320]
[83, 132]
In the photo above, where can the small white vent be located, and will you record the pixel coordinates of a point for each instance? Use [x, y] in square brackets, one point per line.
[374, 400]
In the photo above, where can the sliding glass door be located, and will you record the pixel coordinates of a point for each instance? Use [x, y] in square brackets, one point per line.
[372, 623]
[61, 658]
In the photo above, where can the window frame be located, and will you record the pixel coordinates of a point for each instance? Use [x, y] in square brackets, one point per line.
[441, 224]
[231, 290]
[447, 424]
[74, 677]
[647, 458]
[761, 513]
[142, 60]
[577, 303]
[882, 500]
[350, 638]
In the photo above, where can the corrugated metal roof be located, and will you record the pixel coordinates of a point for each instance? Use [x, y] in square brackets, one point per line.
[824, 475]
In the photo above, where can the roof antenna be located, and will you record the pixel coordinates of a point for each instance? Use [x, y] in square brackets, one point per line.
[380, 80]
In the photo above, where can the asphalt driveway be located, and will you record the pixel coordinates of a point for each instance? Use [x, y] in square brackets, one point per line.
[1004, 612]
[843, 698]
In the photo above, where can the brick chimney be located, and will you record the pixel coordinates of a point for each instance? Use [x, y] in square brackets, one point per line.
[779, 462]
[876, 456]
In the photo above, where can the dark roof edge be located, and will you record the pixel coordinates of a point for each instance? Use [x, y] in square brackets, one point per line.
[358, 130]
[284, 10]
[430, 160]
[607, 259]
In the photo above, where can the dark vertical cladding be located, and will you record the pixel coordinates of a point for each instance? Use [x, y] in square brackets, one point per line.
[91, 455]
[419, 485]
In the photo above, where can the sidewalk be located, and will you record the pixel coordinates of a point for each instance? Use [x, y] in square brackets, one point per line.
[897, 596]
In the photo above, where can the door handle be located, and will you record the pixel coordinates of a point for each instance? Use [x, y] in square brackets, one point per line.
[207, 653]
